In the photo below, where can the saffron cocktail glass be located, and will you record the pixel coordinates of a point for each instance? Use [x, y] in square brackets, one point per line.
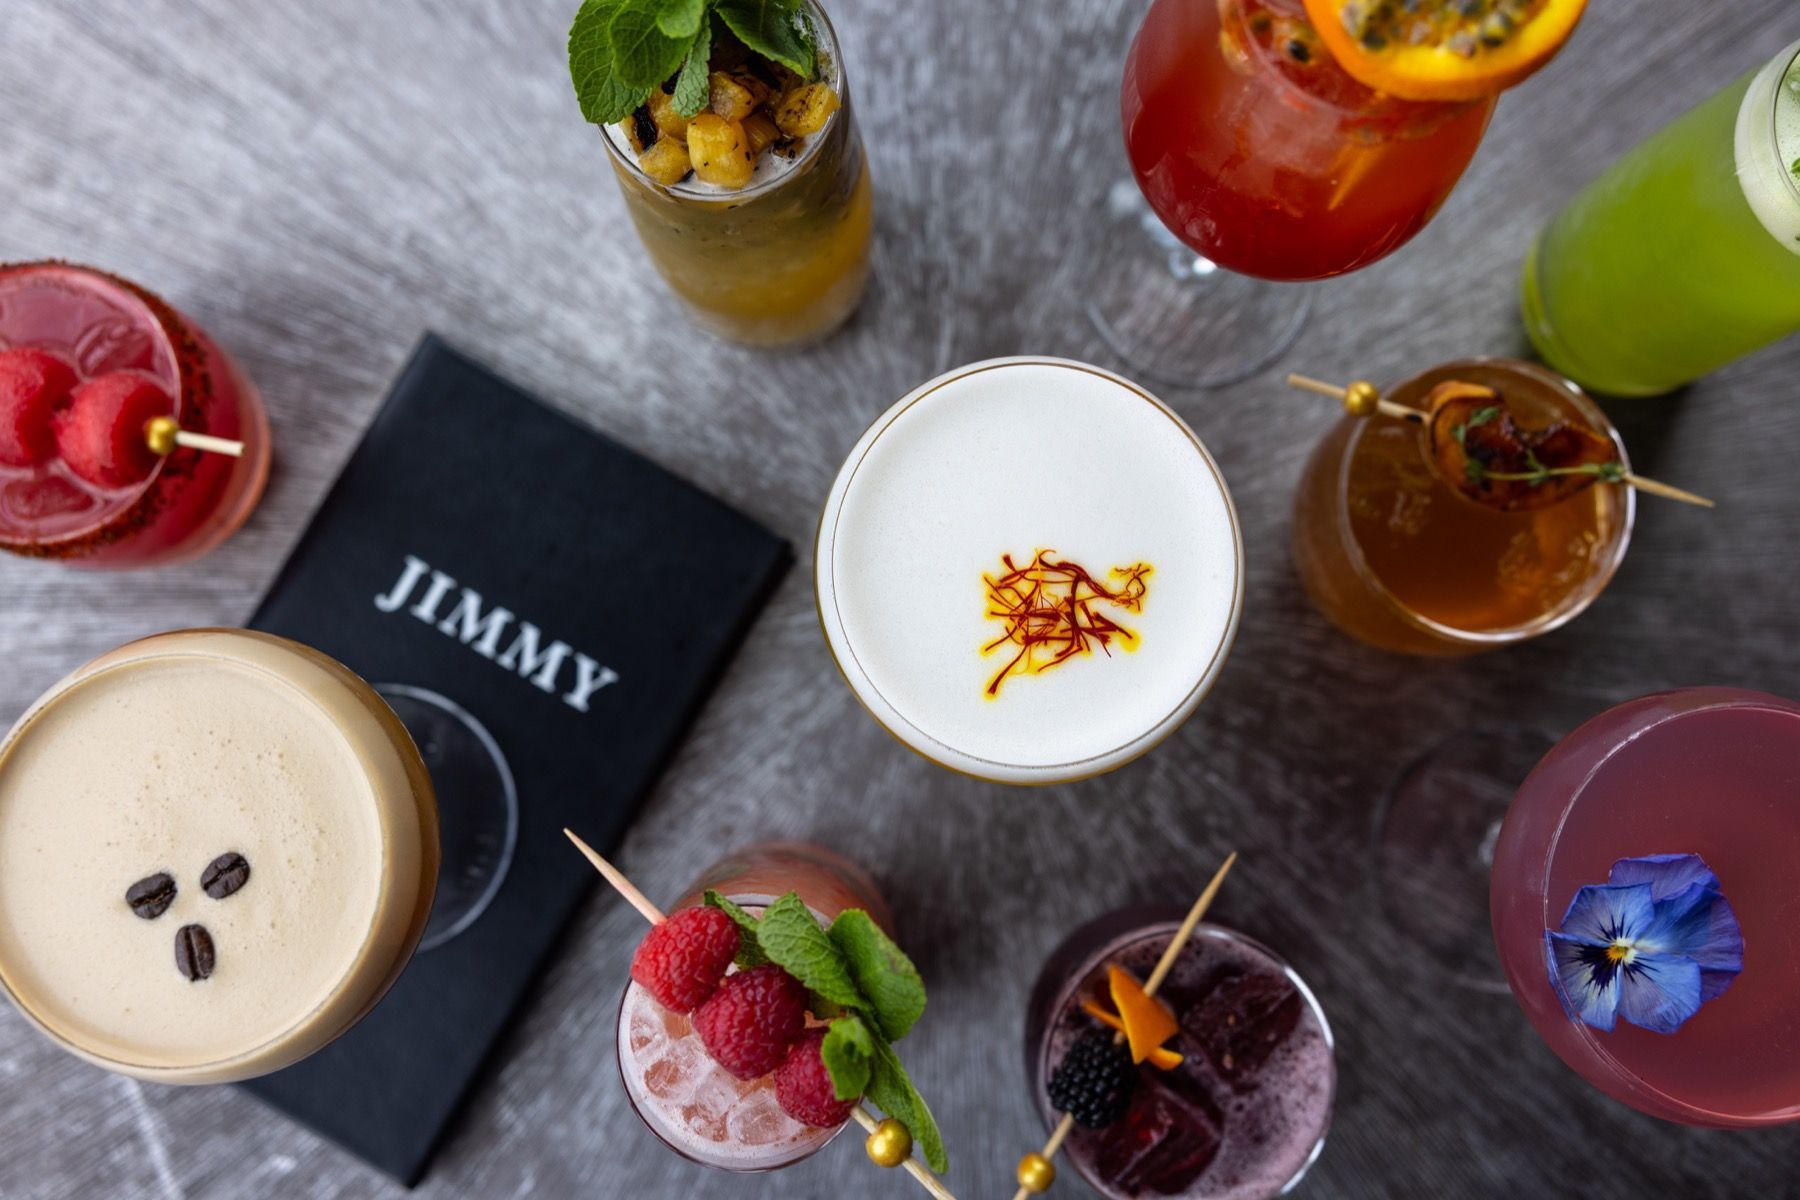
[686, 1099]
[1256, 158]
[1017, 603]
[1398, 559]
[191, 501]
[781, 262]
[1709, 771]
[1212, 1127]
[1684, 254]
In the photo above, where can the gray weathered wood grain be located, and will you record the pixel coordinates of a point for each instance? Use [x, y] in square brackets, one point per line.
[319, 182]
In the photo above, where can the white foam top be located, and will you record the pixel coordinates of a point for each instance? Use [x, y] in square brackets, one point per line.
[1015, 456]
[161, 766]
[1765, 164]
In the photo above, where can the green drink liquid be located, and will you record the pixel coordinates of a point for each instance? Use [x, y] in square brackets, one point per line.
[1685, 254]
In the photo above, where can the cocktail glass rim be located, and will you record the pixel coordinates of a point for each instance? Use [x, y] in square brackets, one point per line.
[831, 58]
[1716, 697]
[889, 717]
[230, 1068]
[164, 324]
[1065, 996]
[1782, 75]
[1574, 605]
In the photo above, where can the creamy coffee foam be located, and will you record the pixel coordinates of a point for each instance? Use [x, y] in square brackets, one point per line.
[162, 765]
[1012, 458]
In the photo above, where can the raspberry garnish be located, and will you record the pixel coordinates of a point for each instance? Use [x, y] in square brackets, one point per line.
[681, 960]
[749, 1023]
[33, 385]
[101, 432]
[803, 1086]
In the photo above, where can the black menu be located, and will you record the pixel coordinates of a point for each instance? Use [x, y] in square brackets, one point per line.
[540, 596]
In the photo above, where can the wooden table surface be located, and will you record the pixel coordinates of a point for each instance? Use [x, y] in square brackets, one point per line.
[318, 183]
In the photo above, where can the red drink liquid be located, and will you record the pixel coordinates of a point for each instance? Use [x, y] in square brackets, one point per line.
[1257, 150]
[192, 501]
[1247, 1132]
[1711, 771]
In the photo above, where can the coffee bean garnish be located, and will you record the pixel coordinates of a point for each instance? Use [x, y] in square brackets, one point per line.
[194, 952]
[150, 898]
[225, 875]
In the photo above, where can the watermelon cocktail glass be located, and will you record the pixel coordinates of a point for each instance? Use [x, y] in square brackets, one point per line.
[86, 360]
[689, 1101]
[1256, 157]
[1643, 902]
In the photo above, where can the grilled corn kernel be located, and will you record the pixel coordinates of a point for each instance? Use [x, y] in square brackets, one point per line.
[730, 98]
[804, 111]
[760, 128]
[666, 162]
[662, 111]
[720, 150]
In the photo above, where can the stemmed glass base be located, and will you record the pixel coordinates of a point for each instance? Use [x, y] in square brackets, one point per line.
[478, 806]
[1434, 846]
[1175, 316]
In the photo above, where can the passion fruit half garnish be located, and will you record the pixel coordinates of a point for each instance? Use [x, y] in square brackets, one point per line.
[1483, 454]
[1444, 49]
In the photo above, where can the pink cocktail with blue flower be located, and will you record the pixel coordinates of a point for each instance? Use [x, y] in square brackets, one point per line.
[1646, 909]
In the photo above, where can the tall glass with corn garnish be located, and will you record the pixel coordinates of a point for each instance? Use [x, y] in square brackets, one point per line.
[757, 211]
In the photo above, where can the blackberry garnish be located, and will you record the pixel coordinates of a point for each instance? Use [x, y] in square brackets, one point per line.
[1094, 1081]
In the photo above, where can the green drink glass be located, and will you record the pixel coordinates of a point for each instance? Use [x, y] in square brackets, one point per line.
[1685, 254]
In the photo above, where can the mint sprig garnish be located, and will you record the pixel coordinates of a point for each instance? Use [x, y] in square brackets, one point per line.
[791, 937]
[866, 986]
[774, 29]
[621, 50]
[881, 972]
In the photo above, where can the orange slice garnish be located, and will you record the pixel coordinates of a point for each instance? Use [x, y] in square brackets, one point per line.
[1443, 49]
[1162, 1058]
[1148, 1021]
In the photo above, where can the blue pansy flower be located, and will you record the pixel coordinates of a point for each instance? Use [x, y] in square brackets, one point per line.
[1652, 944]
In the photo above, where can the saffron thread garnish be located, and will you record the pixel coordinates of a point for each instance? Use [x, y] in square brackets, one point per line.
[1048, 609]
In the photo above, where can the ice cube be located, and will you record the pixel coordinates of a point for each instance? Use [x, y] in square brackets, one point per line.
[715, 1095]
[672, 1076]
[646, 1033]
[1163, 1143]
[1242, 1021]
[757, 1120]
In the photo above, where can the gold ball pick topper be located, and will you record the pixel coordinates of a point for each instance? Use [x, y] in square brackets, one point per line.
[1036, 1173]
[890, 1145]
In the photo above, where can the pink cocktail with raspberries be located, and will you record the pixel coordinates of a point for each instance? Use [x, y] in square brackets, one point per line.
[87, 362]
[722, 1061]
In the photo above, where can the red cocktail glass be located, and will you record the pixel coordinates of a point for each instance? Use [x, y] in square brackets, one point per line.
[191, 500]
[1259, 159]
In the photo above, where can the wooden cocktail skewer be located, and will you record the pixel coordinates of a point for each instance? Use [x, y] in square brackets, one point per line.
[1164, 965]
[655, 916]
[1361, 398]
[164, 434]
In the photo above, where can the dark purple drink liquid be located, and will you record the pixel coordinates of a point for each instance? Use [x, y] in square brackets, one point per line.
[1244, 1115]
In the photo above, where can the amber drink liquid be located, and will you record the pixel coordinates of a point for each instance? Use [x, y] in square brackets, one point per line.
[781, 262]
[1396, 557]
[687, 1100]
[1244, 1115]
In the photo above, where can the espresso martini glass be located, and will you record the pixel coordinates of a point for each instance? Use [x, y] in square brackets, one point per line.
[1029, 570]
[218, 850]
